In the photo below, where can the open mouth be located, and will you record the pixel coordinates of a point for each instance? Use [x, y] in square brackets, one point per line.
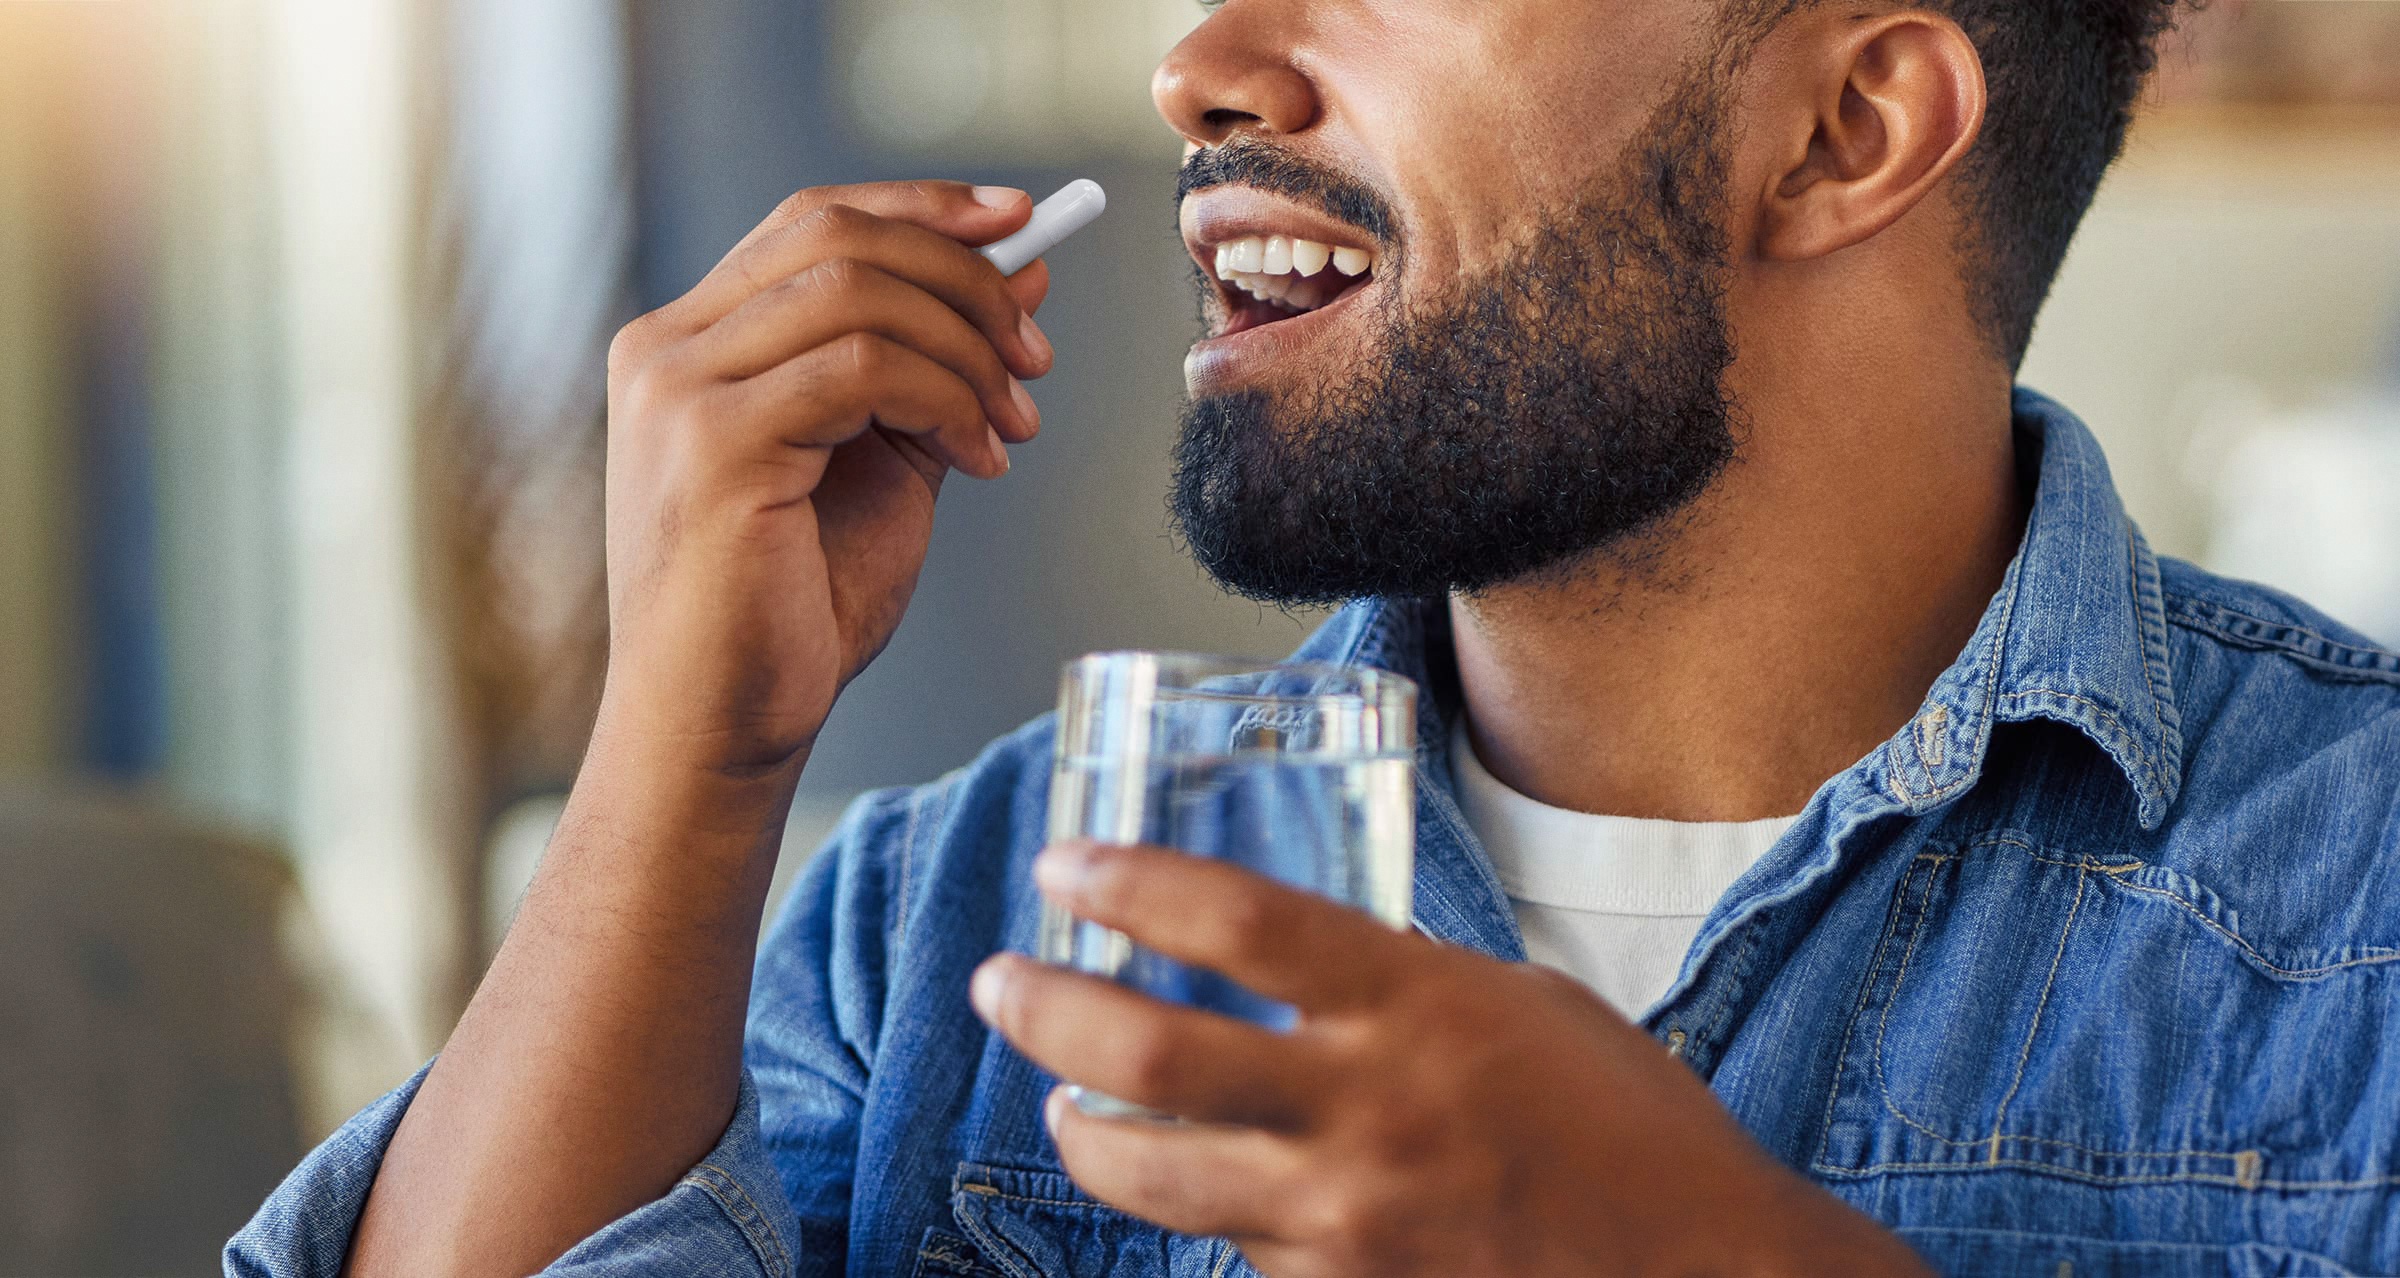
[1267, 279]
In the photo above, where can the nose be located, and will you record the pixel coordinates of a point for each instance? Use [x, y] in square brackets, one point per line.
[1234, 72]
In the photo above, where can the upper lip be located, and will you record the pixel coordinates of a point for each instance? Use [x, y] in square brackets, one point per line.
[1222, 214]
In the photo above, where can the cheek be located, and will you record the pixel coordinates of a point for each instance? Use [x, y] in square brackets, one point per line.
[1490, 114]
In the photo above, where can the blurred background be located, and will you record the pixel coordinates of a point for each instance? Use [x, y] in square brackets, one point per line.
[303, 308]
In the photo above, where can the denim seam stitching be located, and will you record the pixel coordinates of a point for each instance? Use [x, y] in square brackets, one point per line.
[990, 1245]
[2115, 872]
[941, 1253]
[2133, 565]
[1705, 1020]
[1733, 981]
[908, 840]
[2376, 959]
[1224, 1258]
[2164, 716]
[2203, 615]
[1883, 1023]
[756, 1229]
[2041, 1005]
[1866, 991]
[1991, 696]
[994, 1191]
[1968, 768]
[2158, 1178]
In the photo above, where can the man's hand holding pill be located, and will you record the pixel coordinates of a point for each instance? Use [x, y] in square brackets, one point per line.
[776, 440]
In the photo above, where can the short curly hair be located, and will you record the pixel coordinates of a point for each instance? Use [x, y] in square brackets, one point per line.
[2061, 80]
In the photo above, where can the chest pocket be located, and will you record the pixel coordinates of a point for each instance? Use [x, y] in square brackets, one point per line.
[1034, 1224]
[2113, 1022]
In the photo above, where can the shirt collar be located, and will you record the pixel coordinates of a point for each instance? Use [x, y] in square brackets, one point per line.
[2076, 634]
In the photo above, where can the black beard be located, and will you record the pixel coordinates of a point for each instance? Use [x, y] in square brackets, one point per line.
[1571, 402]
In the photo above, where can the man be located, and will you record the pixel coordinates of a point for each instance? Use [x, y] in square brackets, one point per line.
[1992, 894]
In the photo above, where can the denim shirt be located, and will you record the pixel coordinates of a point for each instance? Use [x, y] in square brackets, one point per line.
[2093, 968]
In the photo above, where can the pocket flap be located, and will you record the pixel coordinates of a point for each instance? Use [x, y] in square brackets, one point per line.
[1037, 1224]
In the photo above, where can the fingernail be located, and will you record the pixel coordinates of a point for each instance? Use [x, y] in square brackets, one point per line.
[998, 197]
[999, 454]
[1053, 1109]
[1025, 409]
[1061, 867]
[1036, 345]
[984, 990]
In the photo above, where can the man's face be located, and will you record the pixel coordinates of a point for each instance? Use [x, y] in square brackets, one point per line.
[1461, 267]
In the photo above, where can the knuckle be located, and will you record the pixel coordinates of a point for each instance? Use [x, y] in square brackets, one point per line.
[839, 276]
[1400, 1136]
[830, 221]
[796, 205]
[862, 357]
[1246, 924]
[646, 391]
[1346, 1222]
[978, 384]
[1160, 1186]
[633, 343]
[1151, 1063]
[994, 305]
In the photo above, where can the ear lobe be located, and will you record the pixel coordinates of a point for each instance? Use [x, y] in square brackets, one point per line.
[1891, 108]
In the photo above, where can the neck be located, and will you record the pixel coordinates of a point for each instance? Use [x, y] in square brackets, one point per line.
[1789, 625]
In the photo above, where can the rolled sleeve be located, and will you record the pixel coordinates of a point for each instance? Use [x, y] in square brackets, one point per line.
[727, 1215]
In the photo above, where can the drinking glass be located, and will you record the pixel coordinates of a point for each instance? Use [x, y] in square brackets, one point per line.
[1299, 772]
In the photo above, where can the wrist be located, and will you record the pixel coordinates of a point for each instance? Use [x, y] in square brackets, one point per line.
[642, 776]
[749, 728]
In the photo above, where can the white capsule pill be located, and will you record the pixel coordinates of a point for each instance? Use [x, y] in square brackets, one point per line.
[1054, 219]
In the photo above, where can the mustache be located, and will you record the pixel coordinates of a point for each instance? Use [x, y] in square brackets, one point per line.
[1256, 164]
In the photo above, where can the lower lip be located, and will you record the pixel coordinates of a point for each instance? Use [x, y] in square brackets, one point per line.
[1224, 363]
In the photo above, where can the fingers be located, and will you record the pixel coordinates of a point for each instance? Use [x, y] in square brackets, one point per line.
[975, 214]
[1030, 286]
[1176, 1060]
[829, 395]
[1271, 938]
[847, 295]
[1207, 1181]
[932, 261]
[852, 307]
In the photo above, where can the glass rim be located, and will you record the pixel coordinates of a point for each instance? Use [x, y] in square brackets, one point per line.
[1372, 683]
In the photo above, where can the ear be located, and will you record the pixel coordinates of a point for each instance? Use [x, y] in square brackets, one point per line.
[1878, 116]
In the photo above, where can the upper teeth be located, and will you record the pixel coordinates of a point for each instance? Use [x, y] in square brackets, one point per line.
[1284, 255]
[1266, 266]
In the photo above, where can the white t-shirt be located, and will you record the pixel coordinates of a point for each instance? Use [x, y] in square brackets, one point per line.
[1612, 901]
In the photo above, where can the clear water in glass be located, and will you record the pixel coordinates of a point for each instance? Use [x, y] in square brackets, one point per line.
[1300, 773]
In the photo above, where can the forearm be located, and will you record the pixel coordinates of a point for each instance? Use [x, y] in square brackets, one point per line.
[601, 1056]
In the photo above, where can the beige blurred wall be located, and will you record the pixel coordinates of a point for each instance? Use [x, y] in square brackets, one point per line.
[2254, 248]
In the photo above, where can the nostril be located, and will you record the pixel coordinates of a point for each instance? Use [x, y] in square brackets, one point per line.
[1225, 119]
